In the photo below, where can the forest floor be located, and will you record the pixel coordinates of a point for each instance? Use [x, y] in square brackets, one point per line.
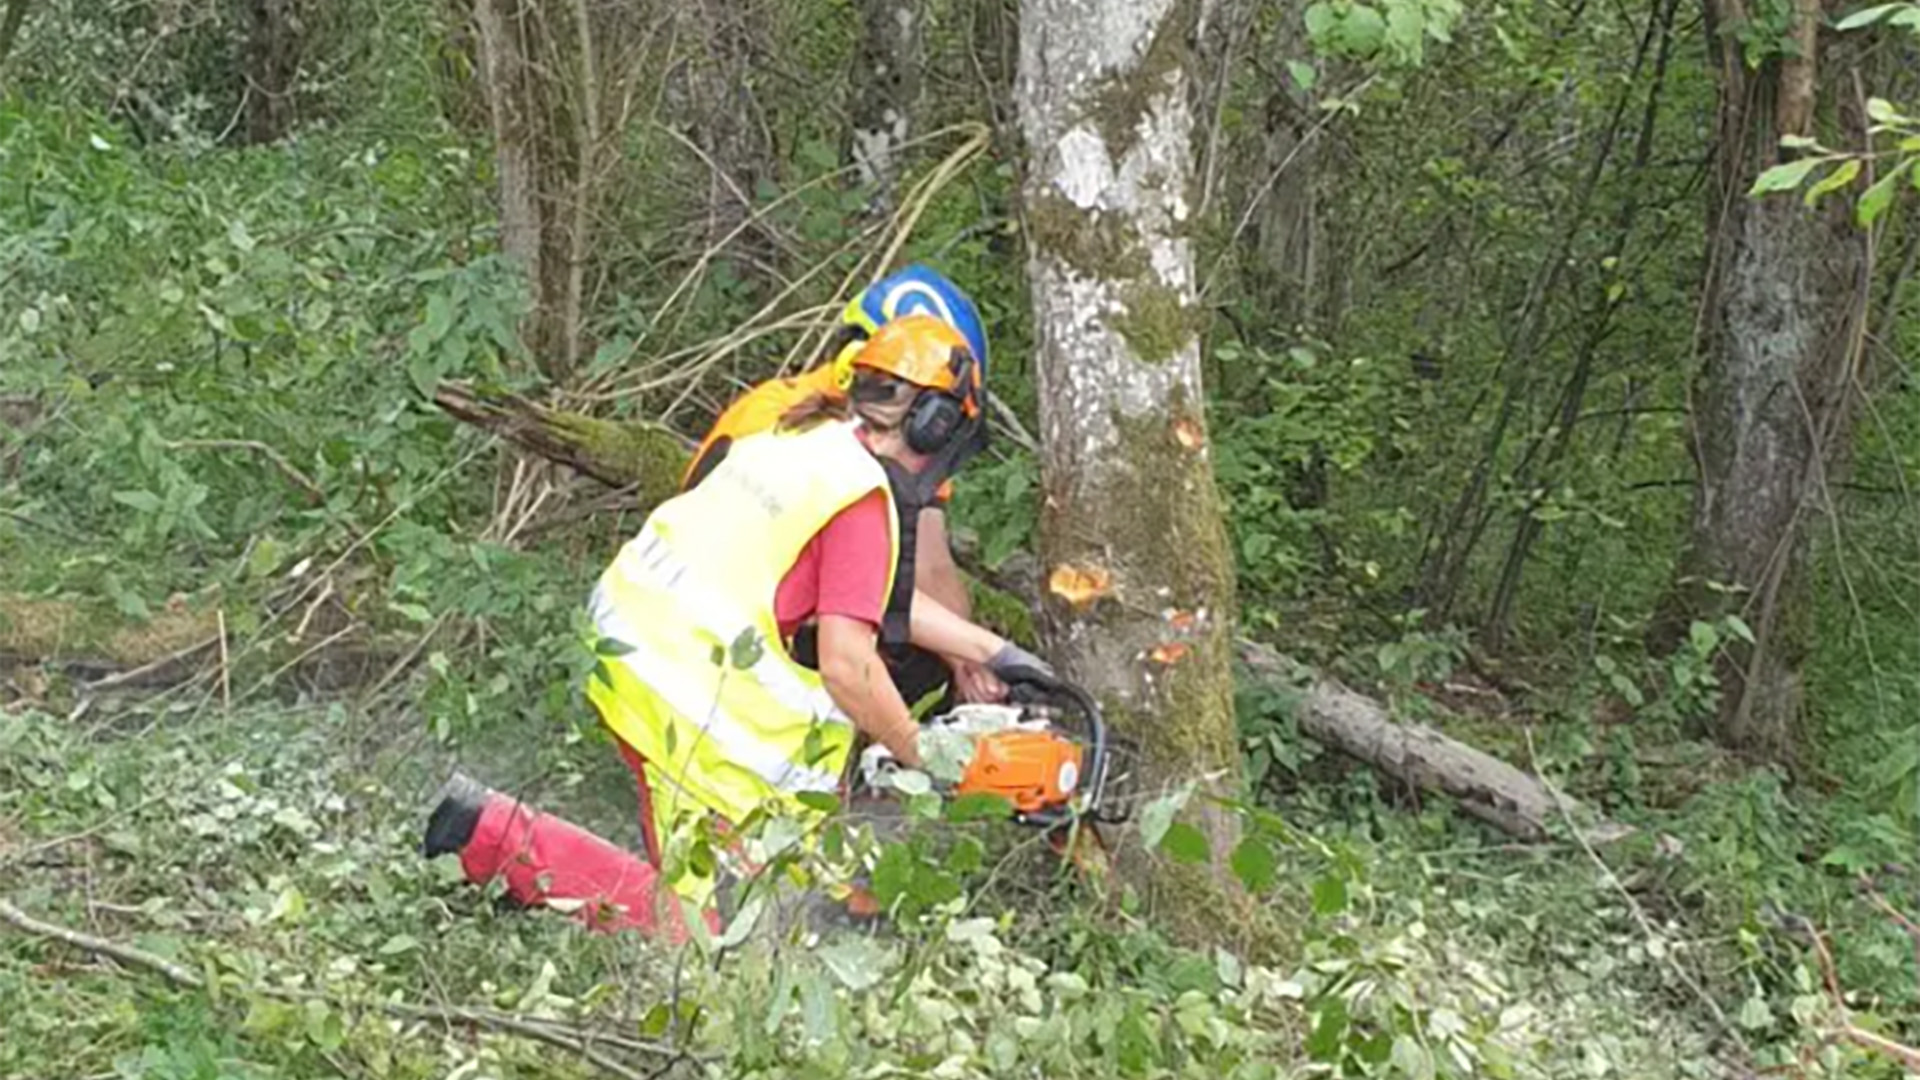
[269, 851]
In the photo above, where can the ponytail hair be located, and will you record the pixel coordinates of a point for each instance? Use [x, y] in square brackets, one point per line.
[816, 408]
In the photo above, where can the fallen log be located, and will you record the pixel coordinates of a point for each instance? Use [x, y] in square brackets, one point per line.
[1511, 800]
[615, 452]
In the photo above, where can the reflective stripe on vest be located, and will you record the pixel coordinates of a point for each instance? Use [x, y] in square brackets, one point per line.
[701, 574]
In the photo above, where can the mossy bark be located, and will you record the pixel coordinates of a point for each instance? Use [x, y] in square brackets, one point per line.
[616, 453]
[1130, 494]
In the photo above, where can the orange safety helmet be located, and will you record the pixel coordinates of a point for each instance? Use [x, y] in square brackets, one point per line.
[925, 352]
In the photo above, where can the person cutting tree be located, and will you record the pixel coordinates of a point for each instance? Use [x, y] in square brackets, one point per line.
[914, 290]
[797, 526]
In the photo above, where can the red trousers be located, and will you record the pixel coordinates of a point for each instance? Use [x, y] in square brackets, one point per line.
[547, 860]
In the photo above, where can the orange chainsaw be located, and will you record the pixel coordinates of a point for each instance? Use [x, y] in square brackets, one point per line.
[1053, 764]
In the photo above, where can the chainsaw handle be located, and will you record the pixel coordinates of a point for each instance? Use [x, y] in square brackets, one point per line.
[1042, 687]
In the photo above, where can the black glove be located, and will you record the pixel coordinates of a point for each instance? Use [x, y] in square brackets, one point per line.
[1013, 664]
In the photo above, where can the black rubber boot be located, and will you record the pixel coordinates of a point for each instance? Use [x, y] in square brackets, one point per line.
[455, 813]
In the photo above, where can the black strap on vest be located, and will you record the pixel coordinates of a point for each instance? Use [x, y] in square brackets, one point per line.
[908, 501]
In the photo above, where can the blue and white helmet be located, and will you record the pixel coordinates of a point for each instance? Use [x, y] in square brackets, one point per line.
[918, 290]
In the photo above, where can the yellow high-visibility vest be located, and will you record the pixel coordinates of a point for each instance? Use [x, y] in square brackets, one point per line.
[692, 596]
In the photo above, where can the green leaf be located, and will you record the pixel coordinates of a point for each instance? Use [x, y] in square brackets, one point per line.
[398, 944]
[856, 962]
[910, 782]
[1134, 1046]
[1740, 628]
[238, 236]
[1875, 200]
[1304, 74]
[746, 650]
[1785, 176]
[423, 371]
[289, 906]
[1881, 111]
[743, 922]
[144, 501]
[608, 646]
[1330, 894]
[1704, 638]
[979, 806]
[1329, 1031]
[816, 1006]
[1156, 816]
[1253, 862]
[1840, 177]
[825, 802]
[1319, 19]
[893, 874]
[439, 317]
[1362, 31]
[1185, 843]
[1867, 16]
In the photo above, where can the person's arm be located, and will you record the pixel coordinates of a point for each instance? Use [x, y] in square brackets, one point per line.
[857, 679]
[936, 628]
[935, 573]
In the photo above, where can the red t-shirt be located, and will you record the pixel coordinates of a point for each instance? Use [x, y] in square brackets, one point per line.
[843, 570]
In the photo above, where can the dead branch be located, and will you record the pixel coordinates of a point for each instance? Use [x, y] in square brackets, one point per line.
[135, 675]
[126, 954]
[572, 1039]
[315, 496]
[1906, 1055]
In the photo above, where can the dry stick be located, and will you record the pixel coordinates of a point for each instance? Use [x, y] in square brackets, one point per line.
[1633, 904]
[226, 683]
[315, 495]
[126, 954]
[482, 1018]
[48, 526]
[1906, 1055]
[1900, 919]
[121, 678]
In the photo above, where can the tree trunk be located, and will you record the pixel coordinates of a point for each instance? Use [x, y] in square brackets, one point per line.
[513, 102]
[544, 87]
[713, 99]
[1283, 239]
[886, 87]
[1785, 303]
[1139, 606]
[270, 66]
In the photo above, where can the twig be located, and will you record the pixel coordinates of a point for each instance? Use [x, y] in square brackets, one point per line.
[126, 954]
[551, 1034]
[1633, 904]
[1880, 1044]
[48, 526]
[315, 495]
[226, 685]
[122, 678]
[1900, 918]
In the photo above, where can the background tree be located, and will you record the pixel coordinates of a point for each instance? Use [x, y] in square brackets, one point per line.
[1786, 304]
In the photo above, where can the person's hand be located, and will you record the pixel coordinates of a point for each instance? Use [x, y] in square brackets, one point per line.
[973, 684]
[1013, 664]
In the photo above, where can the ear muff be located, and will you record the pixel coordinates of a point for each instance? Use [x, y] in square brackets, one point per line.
[937, 416]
